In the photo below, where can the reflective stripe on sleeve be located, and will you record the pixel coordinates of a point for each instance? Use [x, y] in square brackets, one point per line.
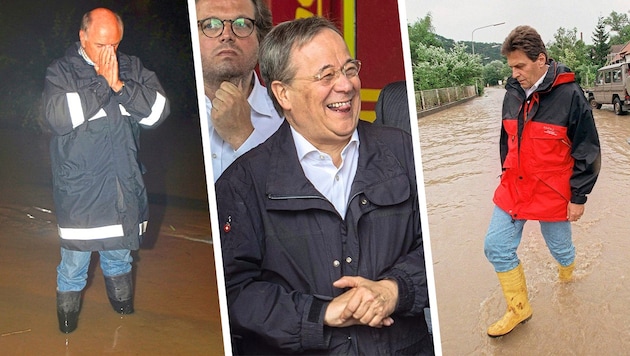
[76, 110]
[156, 111]
[143, 227]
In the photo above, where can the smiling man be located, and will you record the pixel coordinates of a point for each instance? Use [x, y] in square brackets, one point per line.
[321, 234]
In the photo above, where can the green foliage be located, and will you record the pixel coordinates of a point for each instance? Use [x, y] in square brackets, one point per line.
[436, 67]
[440, 62]
[601, 46]
[617, 21]
[566, 48]
[495, 71]
[619, 26]
[422, 32]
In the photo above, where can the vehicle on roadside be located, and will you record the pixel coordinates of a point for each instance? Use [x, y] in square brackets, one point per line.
[610, 88]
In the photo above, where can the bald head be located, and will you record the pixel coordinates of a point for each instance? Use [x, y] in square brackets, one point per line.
[100, 16]
[100, 28]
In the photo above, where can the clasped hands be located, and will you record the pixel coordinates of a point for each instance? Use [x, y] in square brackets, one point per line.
[366, 302]
[107, 65]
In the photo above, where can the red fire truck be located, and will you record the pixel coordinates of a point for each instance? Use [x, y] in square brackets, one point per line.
[372, 31]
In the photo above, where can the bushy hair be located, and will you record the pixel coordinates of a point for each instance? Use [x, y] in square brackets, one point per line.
[526, 39]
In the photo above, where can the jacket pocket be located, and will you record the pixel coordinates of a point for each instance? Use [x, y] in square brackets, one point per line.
[551, 149]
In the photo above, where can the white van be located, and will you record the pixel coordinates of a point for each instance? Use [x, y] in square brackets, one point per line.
[610, 88]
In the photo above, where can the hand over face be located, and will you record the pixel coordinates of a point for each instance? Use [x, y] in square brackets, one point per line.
[107, 66]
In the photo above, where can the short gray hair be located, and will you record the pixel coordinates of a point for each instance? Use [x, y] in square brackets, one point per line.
[275, 50]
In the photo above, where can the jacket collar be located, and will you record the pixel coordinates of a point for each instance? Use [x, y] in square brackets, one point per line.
[377, 165]
[557, 74]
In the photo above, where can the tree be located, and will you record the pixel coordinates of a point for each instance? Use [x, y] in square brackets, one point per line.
[422, 31]
[563, 40]
[494, 72]
[601, 47]
[437, 68]
[617, 21]
[620, 25]
[571, 51]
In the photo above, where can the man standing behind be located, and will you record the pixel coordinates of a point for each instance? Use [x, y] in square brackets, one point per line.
[96, 100]
[550, 157]
[392, 107]
[321, 236]
[241, 114]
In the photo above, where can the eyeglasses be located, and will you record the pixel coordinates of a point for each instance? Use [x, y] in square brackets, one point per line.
[328, 75]
[213, 27]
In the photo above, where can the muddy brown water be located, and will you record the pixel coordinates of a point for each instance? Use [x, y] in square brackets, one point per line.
[459, 148]
[176, 303]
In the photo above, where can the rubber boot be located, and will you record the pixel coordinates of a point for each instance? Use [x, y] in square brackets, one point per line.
[68, 307]
[518, 308]
[565, 273]
[120, 292]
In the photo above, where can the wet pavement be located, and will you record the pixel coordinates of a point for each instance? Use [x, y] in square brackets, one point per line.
[460, 155]
[176, 304]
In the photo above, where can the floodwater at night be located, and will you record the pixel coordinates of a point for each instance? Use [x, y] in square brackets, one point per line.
[588, 316]
[176, 304]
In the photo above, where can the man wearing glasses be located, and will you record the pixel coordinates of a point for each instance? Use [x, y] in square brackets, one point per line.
[241, 115]
[320, 225]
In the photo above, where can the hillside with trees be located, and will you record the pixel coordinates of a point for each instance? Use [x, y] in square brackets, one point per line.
[439, 62]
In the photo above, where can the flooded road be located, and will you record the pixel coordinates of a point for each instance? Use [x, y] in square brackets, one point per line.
[589, 316]
[176, 304]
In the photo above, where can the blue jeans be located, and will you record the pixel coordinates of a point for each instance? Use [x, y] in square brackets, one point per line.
[72, 271]
[504, 235]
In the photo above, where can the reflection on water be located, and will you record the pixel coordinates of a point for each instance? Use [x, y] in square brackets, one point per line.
[176, 304]
[461, 166]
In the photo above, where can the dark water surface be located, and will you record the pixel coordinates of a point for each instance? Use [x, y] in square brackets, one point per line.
[176, 305]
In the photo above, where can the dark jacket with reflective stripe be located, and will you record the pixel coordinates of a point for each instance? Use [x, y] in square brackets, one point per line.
[98, 190]
[549, 148]
[284, 245]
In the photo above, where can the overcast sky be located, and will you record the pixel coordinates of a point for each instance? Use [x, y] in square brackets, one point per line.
[456, 19]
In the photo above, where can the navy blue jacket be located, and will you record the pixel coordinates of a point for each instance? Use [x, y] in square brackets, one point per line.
[284, 245]
[98, 190]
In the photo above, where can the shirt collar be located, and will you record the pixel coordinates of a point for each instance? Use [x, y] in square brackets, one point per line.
[259, 99]
[85, 56]
[304, 147]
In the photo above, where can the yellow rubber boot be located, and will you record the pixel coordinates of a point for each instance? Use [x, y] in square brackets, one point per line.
[565, 273]
[518, 308]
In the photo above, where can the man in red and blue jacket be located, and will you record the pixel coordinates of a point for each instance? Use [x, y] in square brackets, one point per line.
[550, 157]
